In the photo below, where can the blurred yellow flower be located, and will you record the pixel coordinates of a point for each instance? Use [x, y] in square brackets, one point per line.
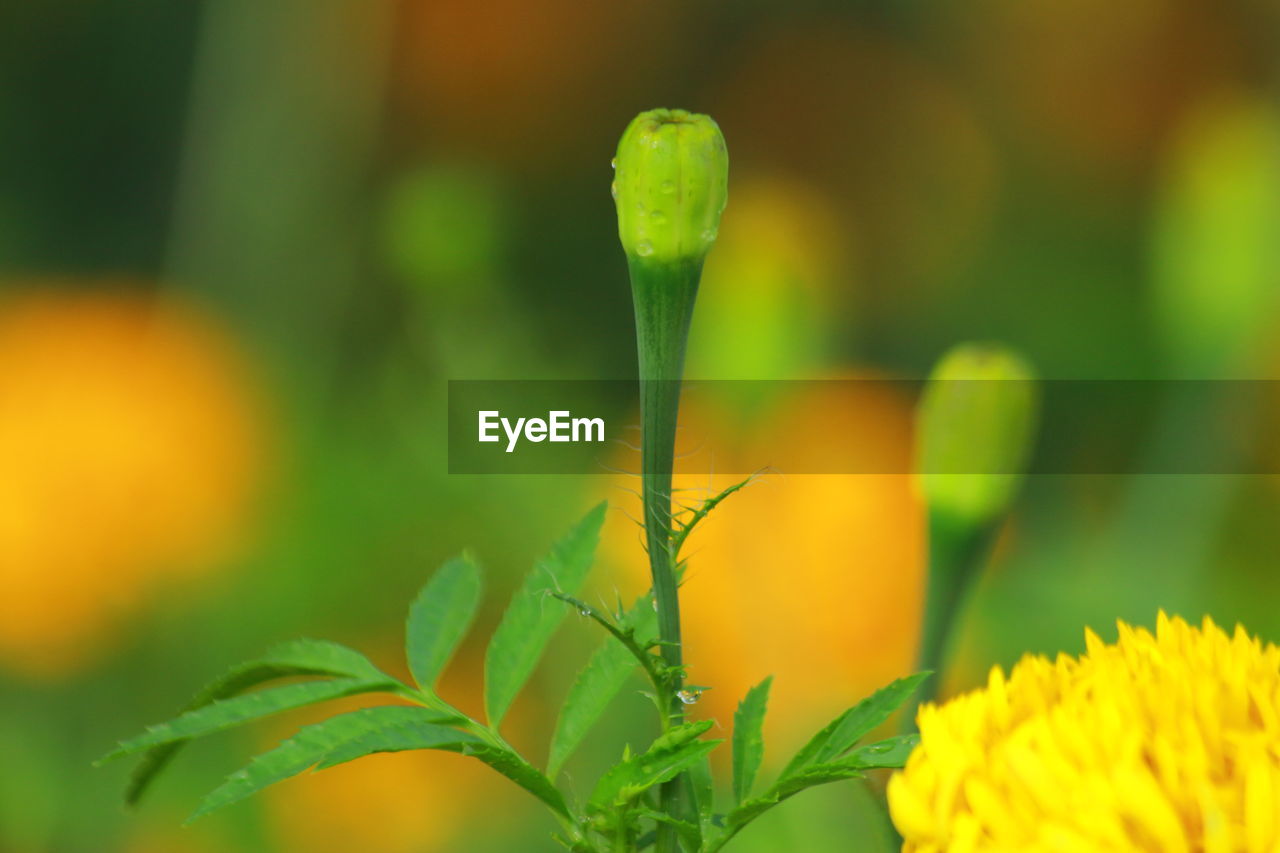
[1167, 742]
[814, 578]
[129, 446]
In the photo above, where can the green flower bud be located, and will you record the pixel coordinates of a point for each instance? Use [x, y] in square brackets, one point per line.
[671, 184]
[1216, 240]
[975, 427]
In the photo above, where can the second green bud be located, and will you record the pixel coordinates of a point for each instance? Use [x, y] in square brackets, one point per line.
[976, 422]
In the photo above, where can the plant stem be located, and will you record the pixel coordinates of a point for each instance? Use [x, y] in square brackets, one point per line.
[622, 841]
[956, 553]
[663, 294]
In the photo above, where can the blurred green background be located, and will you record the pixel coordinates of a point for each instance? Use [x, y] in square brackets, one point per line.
[244, 244]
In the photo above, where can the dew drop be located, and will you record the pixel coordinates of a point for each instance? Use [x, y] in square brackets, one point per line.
[644, 249]
[710, 234]
[613, 164]
[689, 697]
[668, 187]
[613, 189]
[582, 611]
[658, 218]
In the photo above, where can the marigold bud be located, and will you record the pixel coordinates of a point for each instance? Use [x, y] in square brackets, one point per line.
[1216, 237]
[976, 422]
[671, 184]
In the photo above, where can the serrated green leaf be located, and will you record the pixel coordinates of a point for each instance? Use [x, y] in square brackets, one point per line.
[225, 713]
[704, 789]
[294, 658]
[847, 729]
[419, 733]
[308, 747]
[690, 835]
[808, 777]
[666, 758]
[605, 674]
[521, 772]
[439, 618]
[891, 752]
[400, 733]
[322, 657]
[533, 615]
[748, 739]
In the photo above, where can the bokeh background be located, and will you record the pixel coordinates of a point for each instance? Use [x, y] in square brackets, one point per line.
[244, 243]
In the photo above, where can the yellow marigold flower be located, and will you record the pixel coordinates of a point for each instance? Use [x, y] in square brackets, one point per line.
[1167, 742]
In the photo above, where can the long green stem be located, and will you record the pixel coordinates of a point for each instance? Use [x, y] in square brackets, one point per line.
[956, 553]
[664, 294]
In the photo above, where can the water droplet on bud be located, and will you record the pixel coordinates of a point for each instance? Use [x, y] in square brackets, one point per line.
[644, 248]
[689, 697]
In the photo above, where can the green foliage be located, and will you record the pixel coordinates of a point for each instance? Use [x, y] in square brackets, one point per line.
[295, 658]
[788, 786]
[399, 729]
[605, 674]
[532, 617]
[829, 756]
[704, 790]
[844, 731]
[882, 754]
[416, 732]
[440, 617]
[670, 754]
[663, 796]
[225, 713]
[311, 745]
[624, 811]
[687, 523]
[888, 753]
[748, 739]
[690, 835]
